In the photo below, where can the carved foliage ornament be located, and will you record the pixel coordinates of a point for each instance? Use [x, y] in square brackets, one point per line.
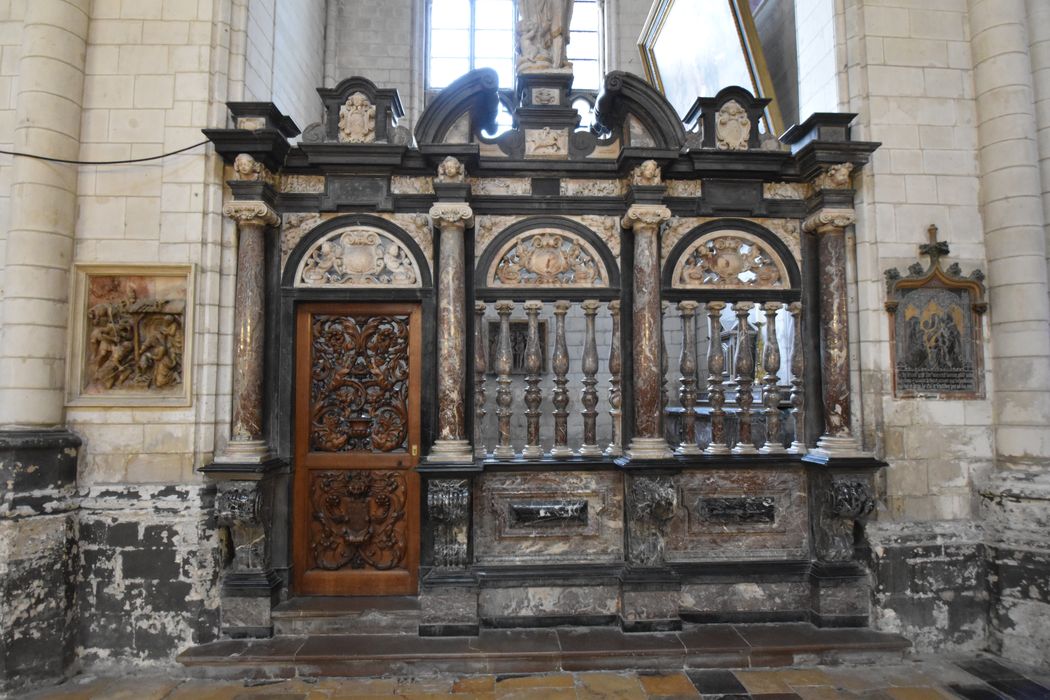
[357, 120]
[732, 127]
[729, 260]
[355, 257]
[548, 258]
[358, 519]
[359, 384]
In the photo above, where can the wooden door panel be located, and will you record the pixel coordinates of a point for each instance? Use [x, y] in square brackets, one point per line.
[356, 520]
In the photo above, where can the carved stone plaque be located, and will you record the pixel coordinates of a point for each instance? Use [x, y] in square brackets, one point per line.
[131, 337]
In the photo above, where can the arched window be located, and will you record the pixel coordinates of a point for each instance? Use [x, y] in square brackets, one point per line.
[468, 34]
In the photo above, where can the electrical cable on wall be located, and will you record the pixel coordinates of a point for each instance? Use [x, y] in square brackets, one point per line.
[102, 162]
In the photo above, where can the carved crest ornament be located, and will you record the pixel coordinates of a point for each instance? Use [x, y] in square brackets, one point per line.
[357, 120]
[732, 127]
[358, 256]
[549, 258]
[729, 259]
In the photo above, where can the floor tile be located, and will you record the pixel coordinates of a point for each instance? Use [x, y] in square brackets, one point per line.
[475, 684]
[1020, 689]
[716, 682]
[763, 682]
[668, 685]
[548, 680]
[975, 692]
[988, 669]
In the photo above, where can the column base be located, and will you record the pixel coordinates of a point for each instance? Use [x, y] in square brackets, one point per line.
[244, 452]
[613, 450]
[649, 448]
[560, 451]
[829, 446]
[590, 451]
[687, 449]
[454, 451]
[772, 449]
[717, 448]
[532, 452]
[797, 448]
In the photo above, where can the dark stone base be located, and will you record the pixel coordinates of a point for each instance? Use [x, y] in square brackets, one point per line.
[449, 630]
[651, 625]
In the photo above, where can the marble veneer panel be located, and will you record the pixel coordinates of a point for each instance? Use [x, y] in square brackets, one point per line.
[548, 601]
[546, 518]
[739, 514]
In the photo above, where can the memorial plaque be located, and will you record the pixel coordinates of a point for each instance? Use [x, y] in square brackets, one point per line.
[935, 324]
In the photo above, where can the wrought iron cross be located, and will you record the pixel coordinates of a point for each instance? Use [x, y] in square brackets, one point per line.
[934, 249]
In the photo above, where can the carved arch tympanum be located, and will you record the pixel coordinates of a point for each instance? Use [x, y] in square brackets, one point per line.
[358, 256]
[730, 256]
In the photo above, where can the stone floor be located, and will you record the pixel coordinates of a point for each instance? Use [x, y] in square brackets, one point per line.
[921, 679]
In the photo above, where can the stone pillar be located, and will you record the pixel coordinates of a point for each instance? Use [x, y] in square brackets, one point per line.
[248, 443]
[829, 226]
[43, 203]
[648, 441]
[1014, 228]
[452, 444]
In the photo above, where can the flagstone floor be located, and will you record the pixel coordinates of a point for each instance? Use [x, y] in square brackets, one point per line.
[982, 678]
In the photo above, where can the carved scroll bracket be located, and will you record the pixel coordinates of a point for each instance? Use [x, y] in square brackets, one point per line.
[844, 503]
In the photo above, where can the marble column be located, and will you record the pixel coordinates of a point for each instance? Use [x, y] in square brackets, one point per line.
[248, 442]
[452, 444]
[648, 441]
[829, 226]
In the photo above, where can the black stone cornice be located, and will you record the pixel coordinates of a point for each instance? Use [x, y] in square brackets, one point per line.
[476, 93]
[625, 93]
[815, 155]
[268, 146]
[351, 156]
[253, 191]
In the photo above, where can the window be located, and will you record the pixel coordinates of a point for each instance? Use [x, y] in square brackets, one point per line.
[469, 34]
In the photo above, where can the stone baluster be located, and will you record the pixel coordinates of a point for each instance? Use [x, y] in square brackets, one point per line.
[798, 395]
[533, 395]
[687, 383]
[504, 450]
[589, 398]
[829, 225]
[480, 368]
[744, 366]
[452, 445]
[716, 393]
[648, 441]
[615, 447]
[665, 362]
[770, 382]
[247, 442]
[560, 365]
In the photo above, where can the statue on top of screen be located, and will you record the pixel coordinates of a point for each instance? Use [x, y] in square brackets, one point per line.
[543, 35]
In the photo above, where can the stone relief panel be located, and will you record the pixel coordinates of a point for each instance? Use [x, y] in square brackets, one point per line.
[537, 517]
[357, 120]
[729, 260]
[296, 226]
[487, 227]
[749, 514]
[571, 187]
[302, 184]
[404, 184]
[732, 127]
[546, 143]
[418, 227]
[785, 190]
[547, 258]
[607, 228]
[359, 256]
[131, 336]
[514, 186]
[684, 188]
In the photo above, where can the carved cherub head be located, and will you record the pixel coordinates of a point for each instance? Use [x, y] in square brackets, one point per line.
[648, 173]
[451, 170]
[246, 167]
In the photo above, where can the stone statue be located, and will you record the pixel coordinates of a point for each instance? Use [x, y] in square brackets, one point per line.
[543, 35]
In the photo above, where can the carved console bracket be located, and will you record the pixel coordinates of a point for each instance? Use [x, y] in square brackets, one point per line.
[651, 504]
[448, 509]
[842, 504]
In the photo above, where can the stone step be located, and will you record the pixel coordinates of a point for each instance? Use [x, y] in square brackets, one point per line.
[364, 615]
[542, 651]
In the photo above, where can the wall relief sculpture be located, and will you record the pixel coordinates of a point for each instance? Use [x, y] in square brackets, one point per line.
[732, 127]
[935, 324]
[294, 227]
[448, 507]
[359, 384]
[548, 258]
[357, 120]
[131, 335]
[546, 143]
[729, 260]
[358, 257]
[358, 519]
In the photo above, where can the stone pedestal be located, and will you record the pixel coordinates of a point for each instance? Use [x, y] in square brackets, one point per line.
[650, 600]
[452, 444]
[648, 441]
[248, 442]
[448, 605]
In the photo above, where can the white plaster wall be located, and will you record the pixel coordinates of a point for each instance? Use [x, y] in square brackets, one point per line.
[299, 59]
[624, 20]
[817, 64]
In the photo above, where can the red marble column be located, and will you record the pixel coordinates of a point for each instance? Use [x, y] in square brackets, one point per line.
[829, 225]
[648, 441]
[247, 440]
[452, 444]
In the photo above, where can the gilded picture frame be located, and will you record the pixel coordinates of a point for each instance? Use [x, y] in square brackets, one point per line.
[670, 63]
[131, 335]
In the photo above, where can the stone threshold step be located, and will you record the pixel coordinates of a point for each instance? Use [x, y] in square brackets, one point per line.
[542, 651]
[325, 615]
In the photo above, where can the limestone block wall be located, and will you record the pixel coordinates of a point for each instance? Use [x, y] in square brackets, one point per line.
[10, 51]
[815, 38]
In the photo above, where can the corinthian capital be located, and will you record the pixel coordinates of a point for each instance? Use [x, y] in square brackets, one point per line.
[646, 215]
[827, 220]
[258, 213]
[445, 213]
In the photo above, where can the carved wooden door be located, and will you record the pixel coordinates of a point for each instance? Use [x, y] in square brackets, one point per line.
[356, 517]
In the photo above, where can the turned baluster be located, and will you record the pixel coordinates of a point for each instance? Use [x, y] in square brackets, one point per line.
[504, 450]
[798, 445]
[615, 448]
[665, 363]
[560, 365]
[687, 382]
[744, 366]
[480, 367]
[716, 393]
[589, 398]
[533, 396]
[770, 382]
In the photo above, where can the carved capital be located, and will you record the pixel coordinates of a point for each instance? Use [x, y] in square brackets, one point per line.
[835, 177]
[641, 215]
[250, 213]
[828, 220]
[451, 214]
